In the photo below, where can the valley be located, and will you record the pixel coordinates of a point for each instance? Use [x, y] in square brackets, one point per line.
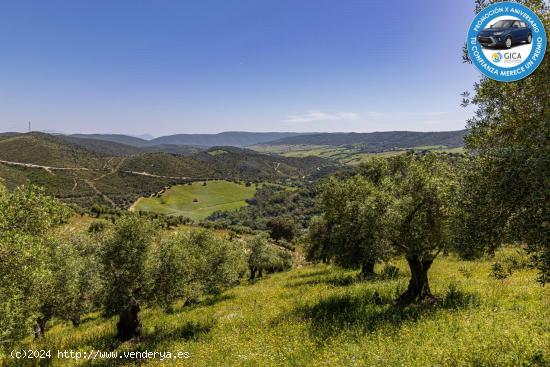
[196, 200]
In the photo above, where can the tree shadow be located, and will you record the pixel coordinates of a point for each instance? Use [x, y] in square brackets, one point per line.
[153, 341]
[335, 280]
[206, 302]
[191, 330]
[312, 274]
[368, 311]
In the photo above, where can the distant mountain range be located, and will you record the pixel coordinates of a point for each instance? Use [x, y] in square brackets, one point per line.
[377, 141]
[228, 138]
[374, 141]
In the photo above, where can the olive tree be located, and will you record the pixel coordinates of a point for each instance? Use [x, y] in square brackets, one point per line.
[124, 259]
[265, 257]
[190, 264]
[399, 206]
[77, 282]
[417, 218]
[506, 187]
[280, 228]
[348, 231]
[27, 217]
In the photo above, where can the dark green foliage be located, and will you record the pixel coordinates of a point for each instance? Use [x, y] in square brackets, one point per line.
[499, 272]
[124, 256]
[402, 205]
[389, 271]
[267, 258]
[271, 202]
[26, 218]
[506, 186]
[281, 228]
[97, 226]
[349, 232]
[379, 141]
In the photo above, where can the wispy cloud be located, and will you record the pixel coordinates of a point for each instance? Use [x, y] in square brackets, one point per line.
[310, 116]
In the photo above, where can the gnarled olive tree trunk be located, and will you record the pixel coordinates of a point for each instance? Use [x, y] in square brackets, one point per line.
[367, 270]
[419, 287]
[39, 327]
[129, 324]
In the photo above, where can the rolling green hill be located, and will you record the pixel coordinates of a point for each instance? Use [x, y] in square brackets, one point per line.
[245, 164]
[197, 201]
[86, 171]
[379, 141]
[345, 154]
[130, 147]
[48, 150]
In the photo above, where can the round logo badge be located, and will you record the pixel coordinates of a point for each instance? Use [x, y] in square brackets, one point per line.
[506, 41]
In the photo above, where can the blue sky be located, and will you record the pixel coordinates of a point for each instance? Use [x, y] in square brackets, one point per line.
[205, 66]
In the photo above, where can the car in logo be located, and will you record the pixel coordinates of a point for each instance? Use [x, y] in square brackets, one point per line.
[505, 33]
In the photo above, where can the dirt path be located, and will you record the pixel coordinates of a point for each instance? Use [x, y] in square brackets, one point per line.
[47, 168]
[90, 183]
[113, 171]
[105, 197]
[158, 176]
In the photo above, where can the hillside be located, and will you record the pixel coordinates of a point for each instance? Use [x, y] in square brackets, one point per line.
[322, 316]
[87, 171]
[48, 150]
[105, 147]
[379, 141]
[110, 145]
[164, 164]
[245, 164]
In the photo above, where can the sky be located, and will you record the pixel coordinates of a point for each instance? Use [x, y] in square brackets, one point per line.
[163, 67]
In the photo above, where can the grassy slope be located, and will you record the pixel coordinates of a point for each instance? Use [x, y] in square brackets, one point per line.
[319, 316]
[216, 195]
[341, 154]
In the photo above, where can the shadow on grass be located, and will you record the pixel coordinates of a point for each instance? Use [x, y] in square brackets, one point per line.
[336, 281]
[343, 280]
[312, 274]
[155, 341]
[368, 311]
[189, 331]
[206, 302]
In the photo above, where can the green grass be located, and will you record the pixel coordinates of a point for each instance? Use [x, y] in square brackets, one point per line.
[342, 154]
[180, 199]
[322, 316]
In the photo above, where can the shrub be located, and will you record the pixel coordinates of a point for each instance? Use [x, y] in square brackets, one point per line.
[513, 260]
[389, 271]
[499, 272]
[97, 226]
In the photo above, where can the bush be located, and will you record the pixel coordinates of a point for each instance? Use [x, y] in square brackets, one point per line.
[499, 272]
[389, 271]
[97, 226]
[512, 260]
